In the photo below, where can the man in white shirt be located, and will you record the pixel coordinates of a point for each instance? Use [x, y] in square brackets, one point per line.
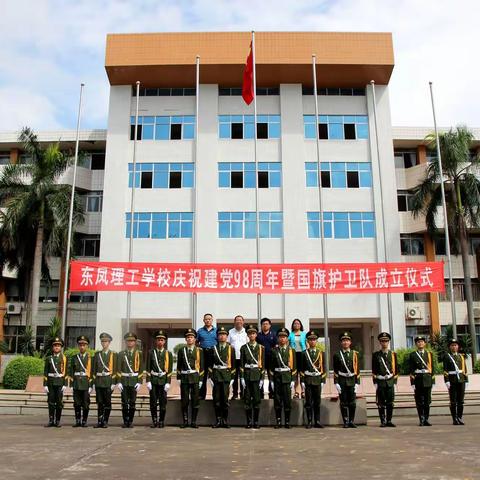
[237, 336]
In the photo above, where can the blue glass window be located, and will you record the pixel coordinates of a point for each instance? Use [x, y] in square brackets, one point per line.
[341, 225]
[336, 127]
[243, 225]
[242, 126]
[269, 174]
[342, 175]
[160, 225]
[162, 175]
[162, 127]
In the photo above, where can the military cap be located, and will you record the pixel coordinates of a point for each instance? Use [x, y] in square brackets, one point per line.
[252, 328]
[452, 341]
[83, 339]
[312, 334]
[106, 336]
[221, 330]
[283, 332]
[384, 336]
[57, 341]
[130, 336]
[420, 337]
[190, 331]
[344, 335]
[161, 334]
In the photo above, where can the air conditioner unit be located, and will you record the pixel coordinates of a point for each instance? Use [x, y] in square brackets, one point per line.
[413, 312]
[14, 308]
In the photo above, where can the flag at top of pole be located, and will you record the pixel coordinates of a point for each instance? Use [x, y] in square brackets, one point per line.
[247, 86]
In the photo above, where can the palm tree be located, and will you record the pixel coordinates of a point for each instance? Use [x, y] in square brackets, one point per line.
[36, 211]
[462, 194]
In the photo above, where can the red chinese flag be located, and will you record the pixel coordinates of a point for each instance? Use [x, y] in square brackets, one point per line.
[247, 87]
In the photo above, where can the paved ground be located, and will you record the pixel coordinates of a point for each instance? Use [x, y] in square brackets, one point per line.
[29, 451]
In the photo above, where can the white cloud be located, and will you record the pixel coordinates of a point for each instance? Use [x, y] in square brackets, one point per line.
[50, 46]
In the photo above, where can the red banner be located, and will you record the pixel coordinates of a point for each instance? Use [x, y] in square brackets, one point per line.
[258, 278]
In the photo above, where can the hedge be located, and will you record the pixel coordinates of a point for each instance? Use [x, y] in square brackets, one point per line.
[19, 369]
[404, 353]
[476, 367]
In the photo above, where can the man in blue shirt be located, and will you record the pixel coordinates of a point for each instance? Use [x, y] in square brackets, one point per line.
[207, 339]
[269, 340]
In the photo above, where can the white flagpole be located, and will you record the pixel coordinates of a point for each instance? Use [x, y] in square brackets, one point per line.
[195, 196]
[257, 228]
[389, 296]
[445, 219]
[70, 219]
[132, 202]
[320, 205]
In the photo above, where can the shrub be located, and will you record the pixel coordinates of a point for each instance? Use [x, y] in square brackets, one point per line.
[404, 353]
[19, 369]
[70, 352]
[476, 367]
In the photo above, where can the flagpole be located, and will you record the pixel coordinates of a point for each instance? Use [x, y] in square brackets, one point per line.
[445, 218]
[320, 205]
[257, 228]
[379, 164]
[132, 201]
[195, 196]
[70, 218]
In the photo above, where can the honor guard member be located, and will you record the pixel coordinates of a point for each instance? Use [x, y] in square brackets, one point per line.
[385, 375]
[190, 375]
[104, 379]
[80, 378]
[221, 374]
[55, 379]
[312, 375]
[347, 378]
[455, 375]
[422, 379]
[129, 376]
[283, 370]
[159, 375]
[252, 372]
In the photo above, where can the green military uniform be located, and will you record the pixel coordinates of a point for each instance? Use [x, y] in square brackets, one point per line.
[252, 372]
[346, 375]
[159, 375]
[385, 375]
[104, 378]
[190, 372]
[421, 369]
[55, 380]
[221, 371]
[80, 378]
[283, 370]
[455, 376]
[312, 374]
[129, 374]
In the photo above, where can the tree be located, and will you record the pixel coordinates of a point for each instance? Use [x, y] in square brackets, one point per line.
[462, 194]
[36, 210]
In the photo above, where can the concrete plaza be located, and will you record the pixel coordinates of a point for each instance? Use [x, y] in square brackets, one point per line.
[443, 451]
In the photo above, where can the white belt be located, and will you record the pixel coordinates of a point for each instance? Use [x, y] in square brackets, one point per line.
[282, 369]
[56, 375]
[103, 374]
[251, 365]
[80, 374]
[384, 377]
[422, 370]
[343, 374]
[454, 372]
[220, 367]
[187, 372]
[313, 374]
[129, 374]
[158, 374]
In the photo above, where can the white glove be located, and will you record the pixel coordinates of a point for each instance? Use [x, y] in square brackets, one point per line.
[210, 381]
[375, 385]
[64, 389]
[447, 385]
[120, 387]
[339, 388]
[260, 384]
[137, 387]
[303, 386]
[200, 384]
[112, 387]
[272, 385]
[292, 385]
[45, 389]
[231, 382]
[355, 388]
[179, 380]
[90, 389]
[166, 387]
[413, 387]
[149, 386]
[242, 381]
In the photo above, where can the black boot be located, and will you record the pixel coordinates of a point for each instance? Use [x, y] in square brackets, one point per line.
[316, 415]
[106, 416]
[131, 416]
[225, 419]
[351, 416]
[345, 418]
[161, 420]
[58, 416]
[453, 413]
[154, 424]
[460, 414]
[125, 417]
[248, 413]
[51, 417]
[278, 416]
[421, 417]
[390, 416]
[381, 414]
[99, 418]
[78, 417]
[426, 411]
[194, 418]
[287, 419]
[256, 414]
[85, 417]
[309, 424]
[185, 418]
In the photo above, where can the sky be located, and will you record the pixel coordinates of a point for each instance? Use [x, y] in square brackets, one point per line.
[48, 47]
